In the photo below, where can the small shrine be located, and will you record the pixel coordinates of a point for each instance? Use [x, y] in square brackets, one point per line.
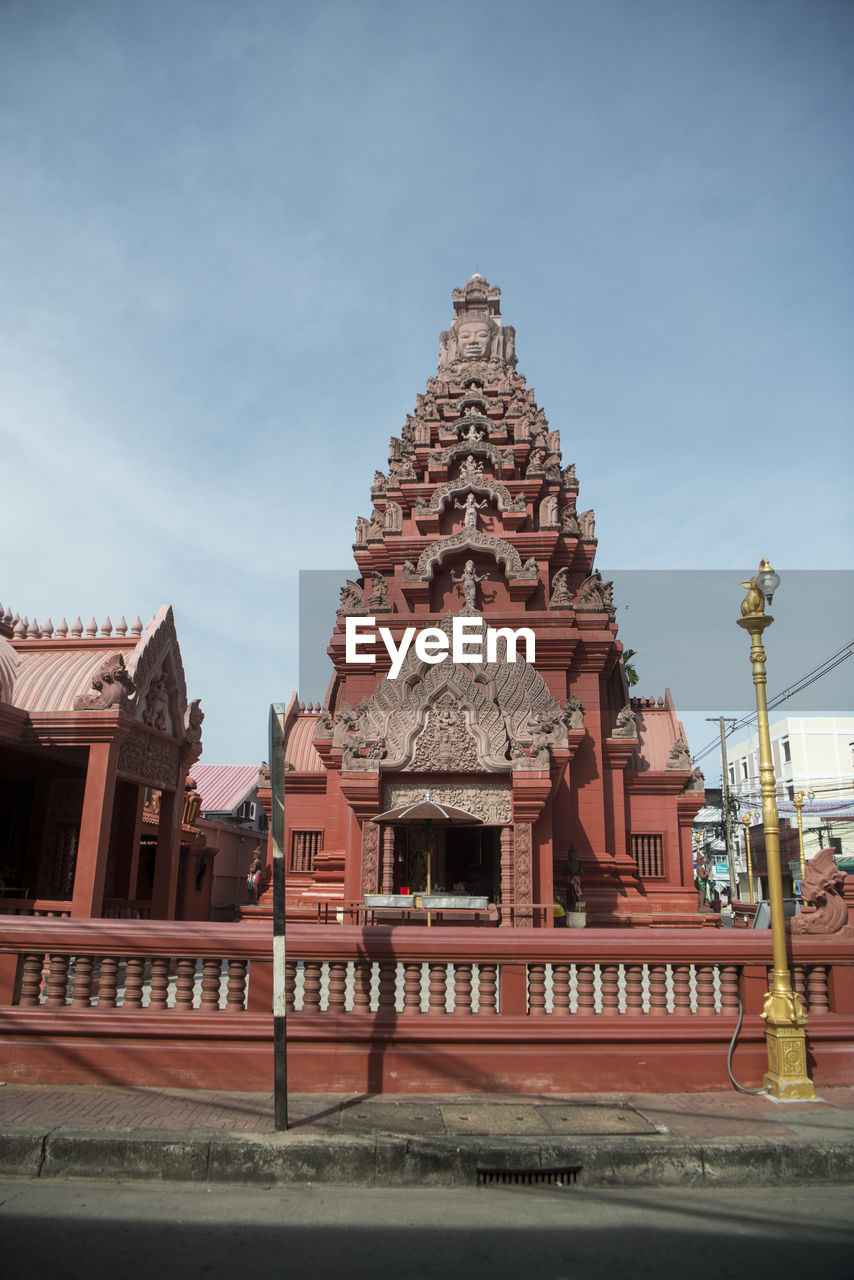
[96, 740]
[478, 667]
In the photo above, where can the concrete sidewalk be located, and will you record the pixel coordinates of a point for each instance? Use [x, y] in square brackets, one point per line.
[724, 1139]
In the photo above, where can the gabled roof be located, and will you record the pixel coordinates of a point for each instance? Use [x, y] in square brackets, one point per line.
[223, 787]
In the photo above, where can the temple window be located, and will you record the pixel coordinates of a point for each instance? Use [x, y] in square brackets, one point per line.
[648, 853]
[304, 846]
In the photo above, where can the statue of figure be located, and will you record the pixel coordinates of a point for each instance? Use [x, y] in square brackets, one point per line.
[193, 718]
[561, 597]
[378, 599]
[627, 725]
[697, 781]
[471, 470]
[569, 525]
[568, 477]
[472, 435]
[323, 725]
[573, 713]
[754, 602]
[548, 511]
[362, 526]
[344, 726]
[156, 713]
[112, 686]
[530, 568]
[679, 756]
[469, 580]
[422, 432]
[471, 506]
[379, 484]
[587, 522]
[393, 519]
[410, 569]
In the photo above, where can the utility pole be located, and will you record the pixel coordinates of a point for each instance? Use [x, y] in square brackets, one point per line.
[722, 721]
[280, 1003]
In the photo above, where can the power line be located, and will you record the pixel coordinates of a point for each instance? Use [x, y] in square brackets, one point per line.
[823, 669]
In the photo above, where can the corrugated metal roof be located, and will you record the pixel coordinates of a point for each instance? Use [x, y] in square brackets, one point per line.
[300, 753]
[223, 787]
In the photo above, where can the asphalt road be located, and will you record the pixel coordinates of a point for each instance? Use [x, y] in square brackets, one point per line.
[131, 1231]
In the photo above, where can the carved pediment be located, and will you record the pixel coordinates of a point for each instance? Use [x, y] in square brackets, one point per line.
[456, 717]
[473, 540]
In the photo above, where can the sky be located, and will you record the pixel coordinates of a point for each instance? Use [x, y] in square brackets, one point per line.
[228, 239]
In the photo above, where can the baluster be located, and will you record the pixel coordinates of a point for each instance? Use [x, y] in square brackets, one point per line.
[705, 976]
[311, 972]
[729, 990]
[585, 993]
[536, 990]
[31, 980]
[211, 974]
[134, 972]
[487, 988]
[235, 1000]
[560, 988]
[185, 983]
[411, 987]
[610, 979]
[362, 986]
[438, 988]
[290, 985]
[159, 996]
[57, 980]
[108, 972]
[634, 990]
[799, 981]
[337, 1001]
[386, 1002]
[681, 989]
[462, 989]
[817, 989]
[657, 989]
[81, 996]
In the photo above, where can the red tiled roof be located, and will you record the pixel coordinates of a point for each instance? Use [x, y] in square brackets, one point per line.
[224, 786]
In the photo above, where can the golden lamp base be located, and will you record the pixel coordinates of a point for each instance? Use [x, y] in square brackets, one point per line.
[786, 1077]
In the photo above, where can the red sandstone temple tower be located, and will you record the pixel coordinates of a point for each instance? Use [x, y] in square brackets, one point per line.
[477, 518]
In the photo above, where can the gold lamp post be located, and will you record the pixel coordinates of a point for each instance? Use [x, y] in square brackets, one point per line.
[798, 802]
[746, 820]
[784, 1015]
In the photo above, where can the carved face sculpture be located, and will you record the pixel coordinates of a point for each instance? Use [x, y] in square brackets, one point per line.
[474, 339]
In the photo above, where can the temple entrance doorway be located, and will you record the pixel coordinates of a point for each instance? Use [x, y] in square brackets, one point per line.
[465, 860]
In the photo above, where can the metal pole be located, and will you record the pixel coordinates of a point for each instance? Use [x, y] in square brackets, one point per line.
[733, 883]
[280, 1004]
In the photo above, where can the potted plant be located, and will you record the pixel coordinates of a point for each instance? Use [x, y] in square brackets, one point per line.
[576, 916]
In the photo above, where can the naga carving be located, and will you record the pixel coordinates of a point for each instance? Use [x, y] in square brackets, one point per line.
[112, 686]
[826, 910]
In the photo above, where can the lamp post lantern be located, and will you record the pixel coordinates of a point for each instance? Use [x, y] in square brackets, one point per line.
[784, 1015]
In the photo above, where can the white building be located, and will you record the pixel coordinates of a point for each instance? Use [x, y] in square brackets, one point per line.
[810, 754]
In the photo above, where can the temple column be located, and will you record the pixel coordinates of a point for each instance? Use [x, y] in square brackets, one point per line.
[388, 858]
[167, 857]
[370, 857]
[507, 887]
[95, 822]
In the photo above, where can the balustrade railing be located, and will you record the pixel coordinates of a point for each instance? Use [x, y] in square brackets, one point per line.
[163, 968]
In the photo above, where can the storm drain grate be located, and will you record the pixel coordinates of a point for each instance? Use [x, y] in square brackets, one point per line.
[565, 1177]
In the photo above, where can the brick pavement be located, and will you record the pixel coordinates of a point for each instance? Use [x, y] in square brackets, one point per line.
[693, 1115]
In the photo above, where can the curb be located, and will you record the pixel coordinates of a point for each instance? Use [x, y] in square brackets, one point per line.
[390, 1160]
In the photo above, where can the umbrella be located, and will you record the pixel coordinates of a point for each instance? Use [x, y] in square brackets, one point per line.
[427, 813]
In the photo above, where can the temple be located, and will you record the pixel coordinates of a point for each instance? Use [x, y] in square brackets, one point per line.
[96, 740]
[477, 660]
